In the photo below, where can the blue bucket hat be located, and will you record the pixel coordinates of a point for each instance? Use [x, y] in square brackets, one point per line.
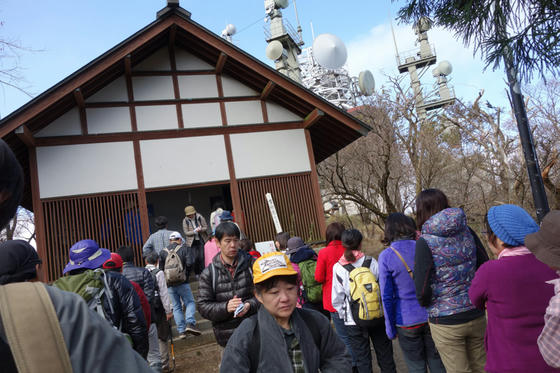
[226, 216]
[511, 223]
[86, 254]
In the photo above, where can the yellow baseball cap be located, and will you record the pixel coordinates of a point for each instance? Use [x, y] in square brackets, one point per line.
[270, 265]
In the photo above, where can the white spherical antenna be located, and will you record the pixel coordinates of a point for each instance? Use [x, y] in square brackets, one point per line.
[282, 4]
[366, 83]
[329, 51]
[444, 68]
[230, 29]
[274, 50]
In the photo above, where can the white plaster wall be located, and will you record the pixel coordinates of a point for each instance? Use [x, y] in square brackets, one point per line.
[108, 120]
[87, 168]
[186, 160]
[244, 112]
[152, 88]
[158, 61]
[67, 124]
[201, 115]
[269, 153]
[277, 113]
[187, 62]
[156, 117]
[198, 86]
[233, 88]
[114, 91]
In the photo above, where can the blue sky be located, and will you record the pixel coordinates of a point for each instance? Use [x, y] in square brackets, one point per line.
[65, 35]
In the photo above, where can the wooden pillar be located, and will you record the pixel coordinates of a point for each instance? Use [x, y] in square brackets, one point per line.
[315, 185]
[38, 215]
[233, 185]
[142, 203]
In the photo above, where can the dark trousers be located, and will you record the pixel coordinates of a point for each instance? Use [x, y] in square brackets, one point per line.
[419, 350]
[361, 350]
[197, 248]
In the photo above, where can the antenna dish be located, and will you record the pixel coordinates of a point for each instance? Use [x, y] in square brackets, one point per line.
[444, 68]
[282, 4]
[366, 83]
[274, 50]
[329, 51]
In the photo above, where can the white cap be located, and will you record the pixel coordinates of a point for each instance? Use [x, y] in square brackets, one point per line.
[175, 235]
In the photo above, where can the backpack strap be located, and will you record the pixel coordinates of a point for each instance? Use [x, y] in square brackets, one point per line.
[367, 262]
[402, 260]
[349, 267]
[32, 329]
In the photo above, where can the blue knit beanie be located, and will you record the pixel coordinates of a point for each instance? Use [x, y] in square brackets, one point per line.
[511, 223]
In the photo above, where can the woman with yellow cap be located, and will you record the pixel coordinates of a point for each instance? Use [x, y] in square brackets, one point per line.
[281, 337]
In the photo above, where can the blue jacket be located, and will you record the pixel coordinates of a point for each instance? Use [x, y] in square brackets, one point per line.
[400, 305]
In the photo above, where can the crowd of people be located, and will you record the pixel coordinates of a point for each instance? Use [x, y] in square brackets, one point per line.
[433, 288]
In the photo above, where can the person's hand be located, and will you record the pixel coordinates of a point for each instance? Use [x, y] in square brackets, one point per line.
[233, 303]
[169, 316]
[245, 309]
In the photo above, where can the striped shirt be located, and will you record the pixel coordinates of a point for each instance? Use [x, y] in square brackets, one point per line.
[549, 340]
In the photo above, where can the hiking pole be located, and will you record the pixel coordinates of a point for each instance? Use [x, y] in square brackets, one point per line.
[172, 347]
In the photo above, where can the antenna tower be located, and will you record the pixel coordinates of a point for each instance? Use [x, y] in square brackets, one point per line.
[283, 41]
[412, 61]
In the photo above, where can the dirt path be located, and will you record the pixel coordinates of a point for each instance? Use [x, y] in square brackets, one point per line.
[205, 359]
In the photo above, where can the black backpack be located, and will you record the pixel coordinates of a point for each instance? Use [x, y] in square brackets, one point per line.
[159, 311]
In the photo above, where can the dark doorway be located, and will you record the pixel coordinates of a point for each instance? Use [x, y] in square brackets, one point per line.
[172, 203]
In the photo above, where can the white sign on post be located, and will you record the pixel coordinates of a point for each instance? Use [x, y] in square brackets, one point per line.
[265, 247]
[273, 212]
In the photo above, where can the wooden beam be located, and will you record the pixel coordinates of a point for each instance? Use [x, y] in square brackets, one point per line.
[25, 136]
[221, 62]
[312, 118]
[165, 134]
[315, 185]
[128, 65]
[172, 34]
[79, 97]
[267, 89]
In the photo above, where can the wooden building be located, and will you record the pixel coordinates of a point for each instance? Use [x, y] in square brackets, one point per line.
[174, 115]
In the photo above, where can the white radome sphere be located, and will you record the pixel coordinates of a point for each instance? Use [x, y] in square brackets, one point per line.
[281, 3]
[329, 51]
[445, 68]
[274, 50]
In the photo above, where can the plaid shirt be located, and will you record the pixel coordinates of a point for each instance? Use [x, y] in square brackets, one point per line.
[294, 351]
[549, 340]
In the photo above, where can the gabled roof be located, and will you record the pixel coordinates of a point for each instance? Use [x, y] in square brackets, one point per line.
[330, 127]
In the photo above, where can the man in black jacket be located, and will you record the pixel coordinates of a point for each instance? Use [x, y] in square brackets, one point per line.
[226, 292]
[144, 279]
[180, 290]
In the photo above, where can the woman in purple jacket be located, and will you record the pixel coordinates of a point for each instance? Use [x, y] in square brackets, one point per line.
[514, 292]
[404, 317]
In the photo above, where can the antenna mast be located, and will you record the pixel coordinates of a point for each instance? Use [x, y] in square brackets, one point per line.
[283, 42]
